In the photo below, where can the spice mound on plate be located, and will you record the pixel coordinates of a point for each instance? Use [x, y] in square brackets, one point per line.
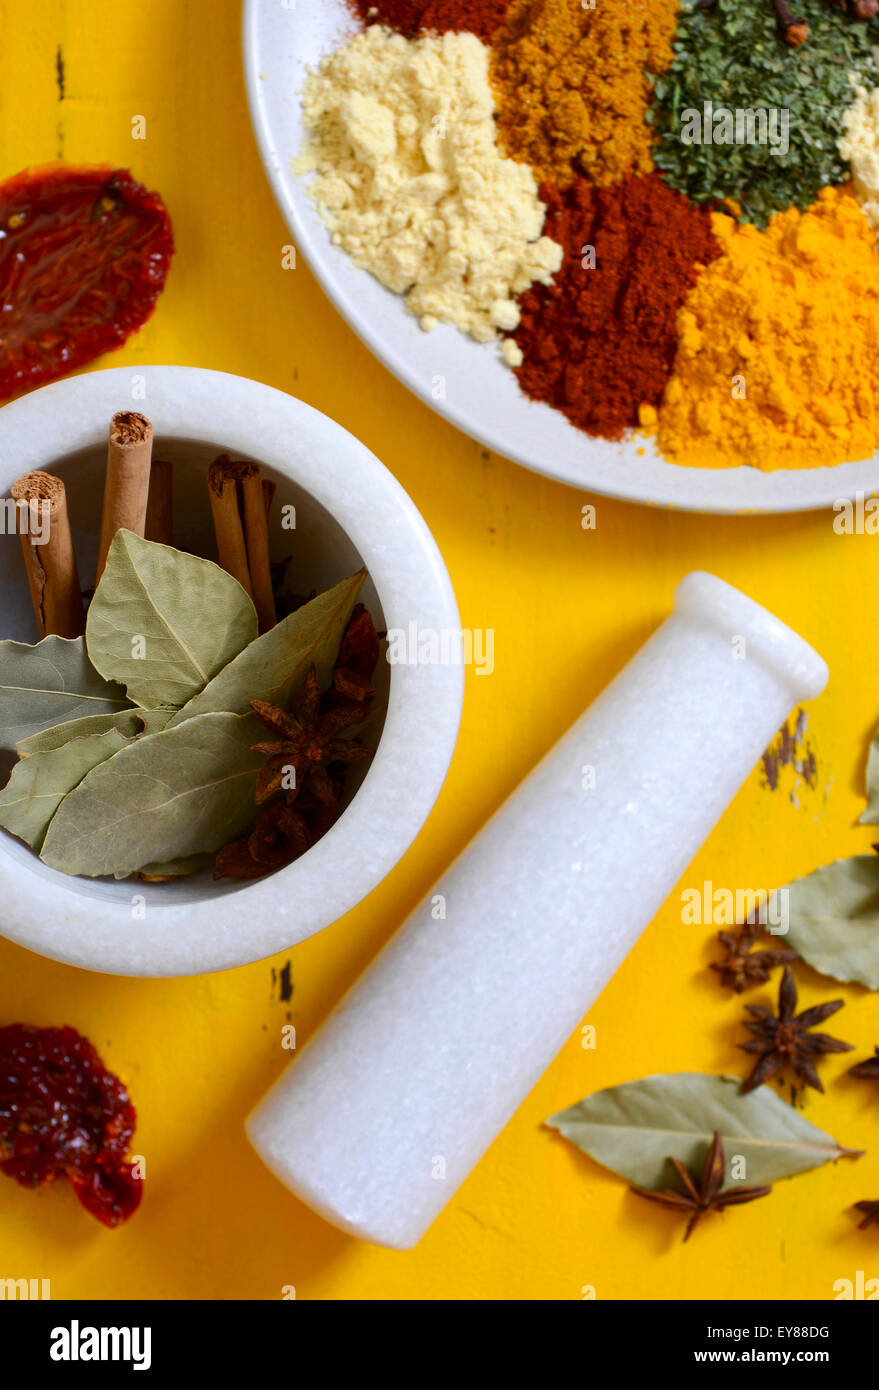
[742, 115]
[412, 185]
[776, 342]
[600, 342]
[571, 84]
[573, 178]
[411, 17]
[860, 146]
[84, 253]
[62, 1113]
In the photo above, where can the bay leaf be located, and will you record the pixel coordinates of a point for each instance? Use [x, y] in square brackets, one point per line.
[48, 683]
[633, 1129]
[40, 782]
[834, 919]
[176, 868]
[130, 721]
[274, 666]
[182, 791]
[191, 618]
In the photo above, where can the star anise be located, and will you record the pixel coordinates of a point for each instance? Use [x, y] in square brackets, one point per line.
[702, 1195]
[785, 1040]
[301, 782]
[279, 836]
[742, 967]
[306, 744]
[358, 656]
[871, 1214]
[867, 1071]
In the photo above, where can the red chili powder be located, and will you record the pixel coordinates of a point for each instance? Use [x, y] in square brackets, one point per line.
[411, 17]
[599, 343]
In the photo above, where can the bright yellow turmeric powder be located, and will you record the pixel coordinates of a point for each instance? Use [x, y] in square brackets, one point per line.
[778, 342]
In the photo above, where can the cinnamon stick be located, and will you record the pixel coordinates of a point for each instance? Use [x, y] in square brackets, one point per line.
[126, 489]
[268, 496]
[159, 524]
[47, 545]
[223, 477]
[256, 533]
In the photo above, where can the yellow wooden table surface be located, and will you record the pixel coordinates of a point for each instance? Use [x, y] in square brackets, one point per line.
[537, 1220]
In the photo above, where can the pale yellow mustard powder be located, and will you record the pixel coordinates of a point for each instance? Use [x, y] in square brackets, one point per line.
[410, 181]
[860, 146]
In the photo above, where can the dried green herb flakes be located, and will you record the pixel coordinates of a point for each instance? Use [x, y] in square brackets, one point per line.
[731, 56]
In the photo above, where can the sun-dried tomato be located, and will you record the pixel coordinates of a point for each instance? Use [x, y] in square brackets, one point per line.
[62, 1113]
[83, 257]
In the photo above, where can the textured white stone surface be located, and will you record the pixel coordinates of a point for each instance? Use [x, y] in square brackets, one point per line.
[411, 1078]
[350, 511]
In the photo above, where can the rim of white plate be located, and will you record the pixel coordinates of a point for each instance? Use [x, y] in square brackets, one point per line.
[191, 928]
[481, 394]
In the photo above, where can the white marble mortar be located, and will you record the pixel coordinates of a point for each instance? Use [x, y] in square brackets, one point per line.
[350, 511]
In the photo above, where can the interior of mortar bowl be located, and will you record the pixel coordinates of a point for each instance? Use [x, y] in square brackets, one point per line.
[321, 554]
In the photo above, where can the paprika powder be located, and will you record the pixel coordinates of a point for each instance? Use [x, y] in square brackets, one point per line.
[411, 17]
[600, 341]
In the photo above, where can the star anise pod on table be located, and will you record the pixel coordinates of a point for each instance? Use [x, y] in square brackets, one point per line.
[304, 767]
[785, 1040]
[867, 1071]
[742, 968]
[870, 1211]
[703, 1194]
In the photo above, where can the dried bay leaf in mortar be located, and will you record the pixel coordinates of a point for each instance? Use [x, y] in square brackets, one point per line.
[183, 791]
[833, 917]
[129, 721]
[50, 683]
[163, 622]
[40, 782]
[635, 1128]
[273, 667]
[175, 868]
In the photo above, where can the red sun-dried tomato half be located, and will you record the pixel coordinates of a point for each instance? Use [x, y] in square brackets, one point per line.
[84, 253]
[63, 1114]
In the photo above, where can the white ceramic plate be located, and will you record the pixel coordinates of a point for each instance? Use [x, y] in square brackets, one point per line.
[281, 39]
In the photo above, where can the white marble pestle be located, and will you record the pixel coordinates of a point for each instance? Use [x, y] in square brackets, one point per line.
[418, 1069]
